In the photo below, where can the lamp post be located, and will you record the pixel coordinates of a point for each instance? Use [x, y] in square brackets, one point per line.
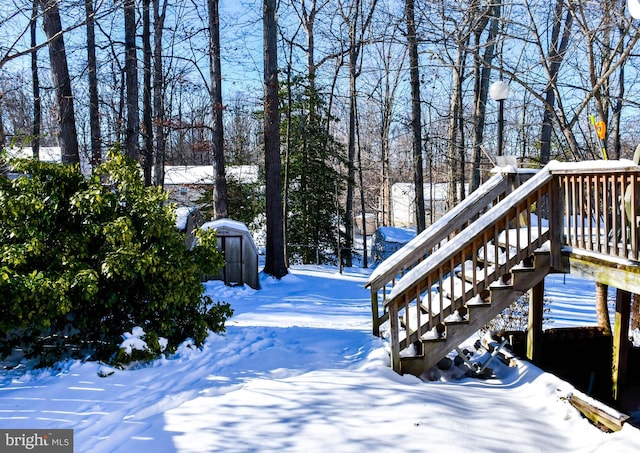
[499, 91]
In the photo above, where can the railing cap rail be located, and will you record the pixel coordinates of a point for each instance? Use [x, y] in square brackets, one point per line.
[468, 235]
[592, 166]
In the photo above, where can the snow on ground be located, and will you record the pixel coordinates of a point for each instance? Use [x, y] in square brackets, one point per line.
[298, 370]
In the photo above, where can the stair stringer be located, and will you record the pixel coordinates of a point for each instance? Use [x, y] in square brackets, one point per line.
[501, 297]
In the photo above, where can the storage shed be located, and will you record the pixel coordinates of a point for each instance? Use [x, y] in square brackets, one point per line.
[239, 250]
[386, 240]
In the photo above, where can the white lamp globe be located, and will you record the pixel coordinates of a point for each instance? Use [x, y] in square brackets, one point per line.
[499, 90]
[634, 8]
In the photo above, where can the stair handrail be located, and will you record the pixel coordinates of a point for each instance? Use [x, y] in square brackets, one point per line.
[491, 217]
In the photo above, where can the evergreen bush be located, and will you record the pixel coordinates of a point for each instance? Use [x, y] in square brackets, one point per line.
[85, 259]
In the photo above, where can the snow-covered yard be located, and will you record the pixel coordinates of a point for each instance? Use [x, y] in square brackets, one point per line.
[298, 370]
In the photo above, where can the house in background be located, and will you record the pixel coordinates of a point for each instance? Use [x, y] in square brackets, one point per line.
[46, 153]
[187, 184]
[403, 203]
[387, 240]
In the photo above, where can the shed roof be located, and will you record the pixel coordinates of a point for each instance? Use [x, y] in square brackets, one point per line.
[203, 174]
[226, 226]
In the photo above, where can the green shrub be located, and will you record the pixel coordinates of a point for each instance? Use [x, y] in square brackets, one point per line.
[85, 259]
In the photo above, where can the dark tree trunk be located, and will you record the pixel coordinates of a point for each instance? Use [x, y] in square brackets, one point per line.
[158, 90]
[556, 54]
[35, 85]
[483, 74]
[274, 260]
[147, 118]
[347, 252]
[94, 111]
[61, 81]
[416, 115]
[215, 72]
[131, 72]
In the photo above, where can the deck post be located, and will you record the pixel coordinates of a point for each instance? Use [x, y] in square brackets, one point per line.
[534, 329]
[556, 223]
[620, 342]
[374, 311]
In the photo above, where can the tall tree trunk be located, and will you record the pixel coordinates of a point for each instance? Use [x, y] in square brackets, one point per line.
[483, 75]
[158, 91]
[416, 115]
[274, 259]
[556, 55]
[452, 146]
[617, 107]
[92, 69]
[357, 23]
[147, 114]
[351, 157]
[61, 81]
[215, 73]
[131, 71]
[35, 88]
[363, 213]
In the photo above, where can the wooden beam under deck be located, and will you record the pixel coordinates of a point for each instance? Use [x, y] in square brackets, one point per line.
[611, 271]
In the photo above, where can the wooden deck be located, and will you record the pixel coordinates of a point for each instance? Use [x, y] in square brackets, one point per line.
[500, 242]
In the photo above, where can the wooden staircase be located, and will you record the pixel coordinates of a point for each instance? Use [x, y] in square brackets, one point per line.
[448, 282]
[463, 270]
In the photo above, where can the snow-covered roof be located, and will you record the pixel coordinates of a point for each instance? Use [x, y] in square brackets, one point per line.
[440, 190]
[46, 153]
[224, 223]
[188, 174]
[396, 234]
[203, 174]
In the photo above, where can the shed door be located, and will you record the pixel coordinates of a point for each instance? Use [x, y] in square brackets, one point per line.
[232, 250]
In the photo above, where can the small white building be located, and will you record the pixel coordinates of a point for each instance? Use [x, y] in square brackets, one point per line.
[403, 204]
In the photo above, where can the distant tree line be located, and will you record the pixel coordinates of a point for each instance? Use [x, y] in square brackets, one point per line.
[373, 91]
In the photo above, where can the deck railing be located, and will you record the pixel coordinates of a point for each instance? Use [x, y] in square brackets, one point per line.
[598, 205]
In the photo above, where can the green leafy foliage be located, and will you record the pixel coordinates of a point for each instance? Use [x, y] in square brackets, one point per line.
[246, 201]
[85, 259]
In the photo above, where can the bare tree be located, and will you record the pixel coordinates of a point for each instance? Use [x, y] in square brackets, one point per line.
[274, 260]
[35, 86]
[159, 14]
[416, 115]
[357, 18]
[560, 34]
[131, 72]
[61, 81]
[147, 111]
[215, 71]
[482, 73]
[94, 111]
